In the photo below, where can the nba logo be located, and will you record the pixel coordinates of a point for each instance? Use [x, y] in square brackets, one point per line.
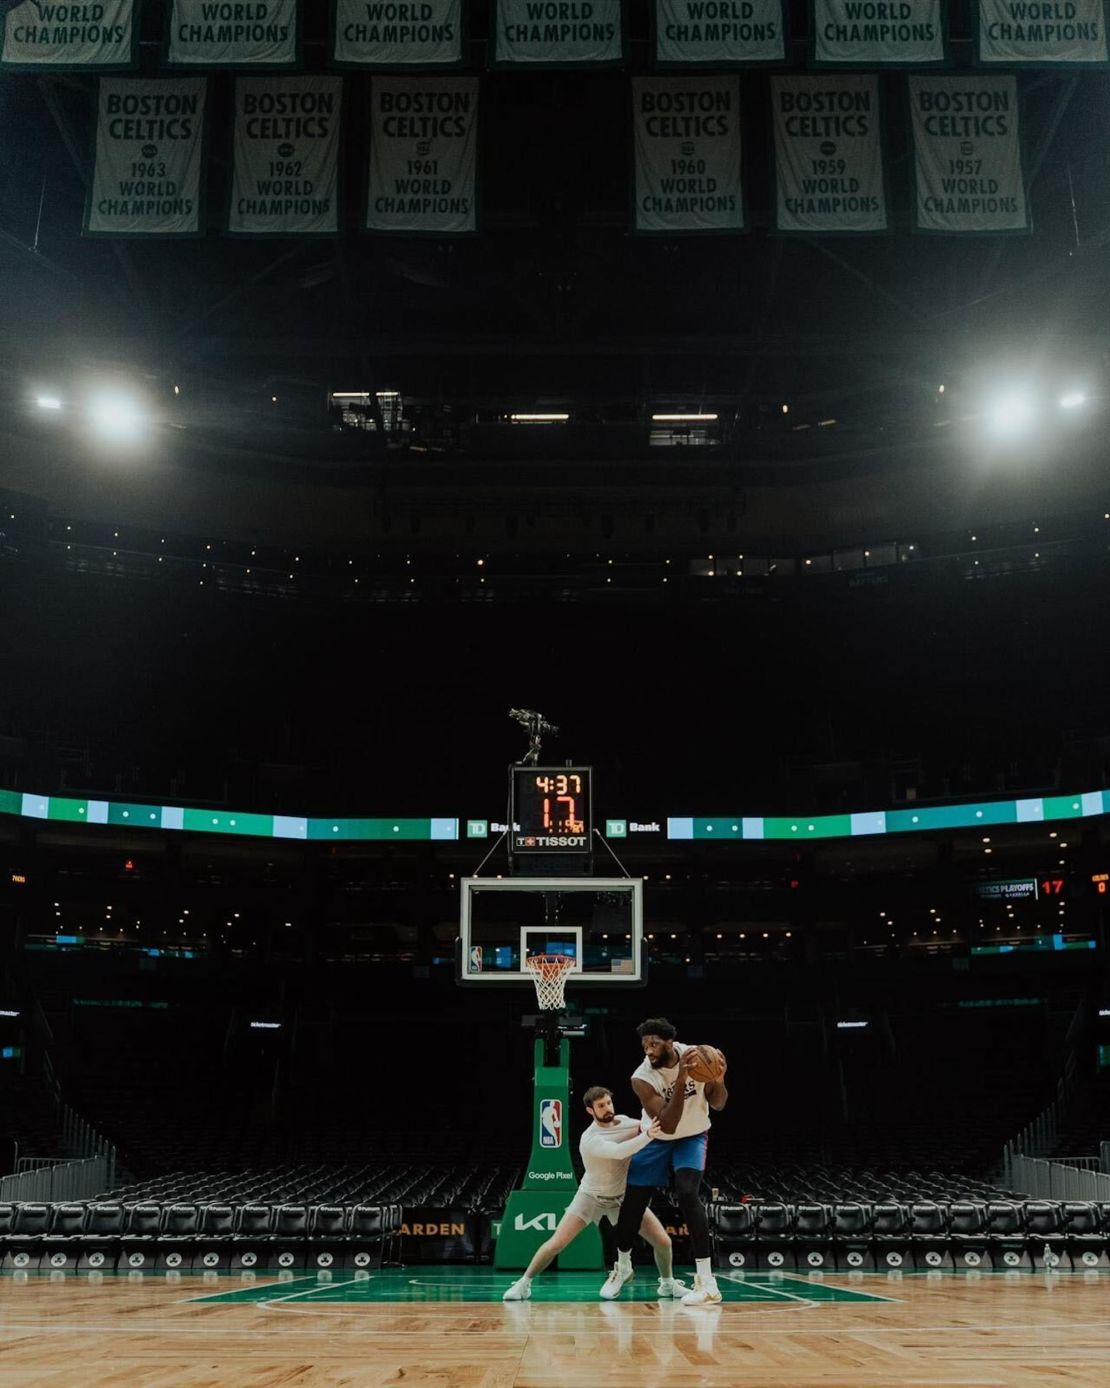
[551, 1122]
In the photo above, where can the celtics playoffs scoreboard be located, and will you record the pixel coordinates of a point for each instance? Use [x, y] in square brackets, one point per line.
[551, 811]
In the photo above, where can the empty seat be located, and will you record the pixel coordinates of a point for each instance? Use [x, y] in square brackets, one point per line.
[772, 1221]
[180, 1221]
[328, 1222]
[291, 1222]
[217, 1222]
[144, 1223]
[32, 1222]
[888, 1221]
[254, 1222]
[928, 1220]
[104, 1221]
[67, 1221]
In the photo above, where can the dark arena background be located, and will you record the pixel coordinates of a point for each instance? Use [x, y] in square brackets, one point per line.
[794, 528]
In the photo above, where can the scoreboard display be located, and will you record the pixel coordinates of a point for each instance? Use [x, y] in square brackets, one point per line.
[551, 810]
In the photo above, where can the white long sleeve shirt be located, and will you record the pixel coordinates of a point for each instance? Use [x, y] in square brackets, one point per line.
[605, 1157]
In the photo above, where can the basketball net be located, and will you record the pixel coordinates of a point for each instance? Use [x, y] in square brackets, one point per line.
[549, 974]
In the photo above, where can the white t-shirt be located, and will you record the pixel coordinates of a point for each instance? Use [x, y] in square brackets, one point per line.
[695, 1111]
[605, 1157]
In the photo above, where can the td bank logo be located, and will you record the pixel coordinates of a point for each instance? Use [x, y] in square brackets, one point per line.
[544, 1223]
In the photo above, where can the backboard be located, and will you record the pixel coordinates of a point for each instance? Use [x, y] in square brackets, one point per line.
[598, 921]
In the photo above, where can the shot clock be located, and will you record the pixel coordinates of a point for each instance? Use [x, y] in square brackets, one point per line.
[551, 810]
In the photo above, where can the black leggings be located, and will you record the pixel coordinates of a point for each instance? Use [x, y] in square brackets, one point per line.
[687, 1184]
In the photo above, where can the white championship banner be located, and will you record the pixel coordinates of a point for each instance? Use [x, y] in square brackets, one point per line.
[38, 33]
[828, 154]
[232, 33]
[550, 33]
[398, 33]
[967, 153]
[423, 155]
[877, 33]
[149, 158]
[724, 33]
[285, 179]
[1040, 33]
[687, 143]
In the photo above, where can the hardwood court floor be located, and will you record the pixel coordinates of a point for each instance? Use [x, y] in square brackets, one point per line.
[441, 1328]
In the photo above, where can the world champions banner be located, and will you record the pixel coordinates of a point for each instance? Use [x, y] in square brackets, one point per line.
[40, 34]
[687, 154]
[423, 155]
[555, 33]
[149, 158]
[397, 33]
[967, 153]
[285, 177]
[877, 33]
[828, 154]
[232, 33]
[1041, 33]
[723, 33]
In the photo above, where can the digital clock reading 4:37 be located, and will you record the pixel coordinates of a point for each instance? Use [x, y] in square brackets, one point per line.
[551, 809]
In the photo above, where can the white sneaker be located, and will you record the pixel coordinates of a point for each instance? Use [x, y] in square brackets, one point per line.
[519, 1291]
[671, 1287]
[705, 1293]
[614, 1282]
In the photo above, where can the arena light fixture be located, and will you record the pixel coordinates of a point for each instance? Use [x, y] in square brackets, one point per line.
[48, 402]
[265, 1026]
[539, 417]
[115, 416]
[853, 1026]
[1072, 399]
[1011, 413]
[686, 418]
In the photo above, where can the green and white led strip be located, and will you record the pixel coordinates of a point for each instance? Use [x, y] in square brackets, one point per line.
[259, 826]
[723, 828]
[1039, 810]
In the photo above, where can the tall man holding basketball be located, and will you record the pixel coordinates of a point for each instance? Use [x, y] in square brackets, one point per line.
[665, 1085]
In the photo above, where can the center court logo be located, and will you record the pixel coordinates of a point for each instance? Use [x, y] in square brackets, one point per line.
[551, 1122]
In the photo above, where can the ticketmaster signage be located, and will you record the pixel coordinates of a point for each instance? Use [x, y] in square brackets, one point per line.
[149, 155]
[285, 180]
[555, 33]
[39, 34]
[877, 33]
[423, 155]
[967, 151]
[828, 154]
[1042, 33]
[687, 151]
[725, 33]
[232, 33]
[397, 33]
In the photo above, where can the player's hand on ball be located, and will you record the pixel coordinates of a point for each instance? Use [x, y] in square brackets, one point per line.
[653, 1128]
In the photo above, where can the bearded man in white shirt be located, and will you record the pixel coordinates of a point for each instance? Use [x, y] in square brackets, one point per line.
[606, 1148]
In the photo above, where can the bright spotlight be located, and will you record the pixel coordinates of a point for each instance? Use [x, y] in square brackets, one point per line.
[48, 402]
[1072, 399]
[1010, 414]
[115, 417]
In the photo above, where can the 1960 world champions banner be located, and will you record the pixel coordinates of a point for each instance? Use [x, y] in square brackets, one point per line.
[687, 152]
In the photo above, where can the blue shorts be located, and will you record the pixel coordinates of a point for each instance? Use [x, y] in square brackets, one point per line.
[652, 1165]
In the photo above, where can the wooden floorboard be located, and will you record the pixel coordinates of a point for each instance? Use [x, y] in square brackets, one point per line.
[1027, 1331]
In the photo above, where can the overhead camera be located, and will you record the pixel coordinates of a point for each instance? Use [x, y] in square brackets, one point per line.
[537, 726]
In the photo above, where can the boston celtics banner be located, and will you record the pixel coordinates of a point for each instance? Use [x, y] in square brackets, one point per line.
[232, 33]
[423, 155]
[39, 34]
[828, 154]
[967, 148]
[877, 33]
[687, 151]
[397, 33]
[149, 158]
[551, 33]
[724, 33]
[1042, 33]
[285, 178]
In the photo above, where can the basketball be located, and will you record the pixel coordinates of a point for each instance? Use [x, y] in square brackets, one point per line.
[709, 1065]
